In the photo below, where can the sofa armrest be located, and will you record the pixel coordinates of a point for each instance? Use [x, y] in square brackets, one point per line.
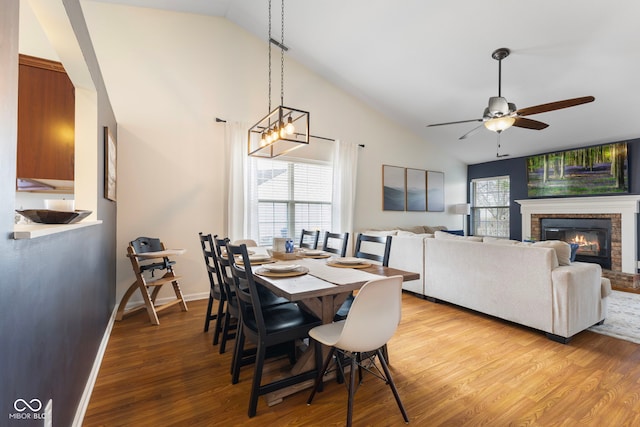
[577, 298]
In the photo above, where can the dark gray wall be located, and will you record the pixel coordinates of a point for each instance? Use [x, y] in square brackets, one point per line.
[58, 291]
[516, 169]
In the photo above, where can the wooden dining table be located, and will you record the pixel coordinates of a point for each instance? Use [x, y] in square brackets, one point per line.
[321, 291]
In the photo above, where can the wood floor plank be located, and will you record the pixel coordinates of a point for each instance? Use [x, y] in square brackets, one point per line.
[452, 367]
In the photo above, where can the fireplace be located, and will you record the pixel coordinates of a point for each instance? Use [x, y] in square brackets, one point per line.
[593, 237]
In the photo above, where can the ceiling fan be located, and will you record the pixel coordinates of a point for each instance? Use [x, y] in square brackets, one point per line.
[501, 115]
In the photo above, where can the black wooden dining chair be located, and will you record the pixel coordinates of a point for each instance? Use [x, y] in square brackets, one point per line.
[381, 256]
[232, 312]
[309, 239]
[366, 251]
[336, 243]
[267, 327]
[216, 289]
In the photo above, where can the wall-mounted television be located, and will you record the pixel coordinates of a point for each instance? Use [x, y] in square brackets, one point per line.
[600, 169]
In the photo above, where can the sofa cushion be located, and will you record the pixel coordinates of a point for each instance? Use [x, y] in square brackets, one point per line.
[499, 241]
[563, 250]
[410, 234]
[417, 229]
[393, 232]
[445, 235]
[432, 229]
[605, 287]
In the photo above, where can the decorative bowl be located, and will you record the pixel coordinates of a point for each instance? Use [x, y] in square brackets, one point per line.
[47, 216]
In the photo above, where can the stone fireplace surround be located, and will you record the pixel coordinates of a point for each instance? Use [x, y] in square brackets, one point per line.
[622, 210]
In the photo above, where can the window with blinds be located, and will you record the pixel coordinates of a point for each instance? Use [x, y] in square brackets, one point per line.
[292, 196]
[490, 208]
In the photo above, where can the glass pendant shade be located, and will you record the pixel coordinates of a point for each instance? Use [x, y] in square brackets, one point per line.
[499, 124]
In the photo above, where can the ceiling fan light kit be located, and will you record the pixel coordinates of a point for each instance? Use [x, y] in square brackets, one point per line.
[500, 114]
[500, 123]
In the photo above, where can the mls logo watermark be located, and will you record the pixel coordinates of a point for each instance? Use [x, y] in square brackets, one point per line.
[27, 410]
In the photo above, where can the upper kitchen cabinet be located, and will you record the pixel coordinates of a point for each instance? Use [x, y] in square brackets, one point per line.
[46, 121]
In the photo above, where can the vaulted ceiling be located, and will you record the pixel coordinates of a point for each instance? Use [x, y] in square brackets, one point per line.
[422, 62]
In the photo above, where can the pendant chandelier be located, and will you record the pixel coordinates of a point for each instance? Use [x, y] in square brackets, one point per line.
[284, 128]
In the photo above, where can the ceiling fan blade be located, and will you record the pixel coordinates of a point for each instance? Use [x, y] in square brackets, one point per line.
[471, 132]
[522, 122]
[543, 108]
[455, 123]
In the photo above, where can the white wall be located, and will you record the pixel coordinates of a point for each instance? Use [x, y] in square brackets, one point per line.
[169, 75]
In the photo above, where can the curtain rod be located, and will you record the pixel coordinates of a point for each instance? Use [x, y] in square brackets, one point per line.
[219, 120]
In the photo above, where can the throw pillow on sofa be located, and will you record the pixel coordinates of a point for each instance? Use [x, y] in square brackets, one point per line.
[563, 250]
[574, 250]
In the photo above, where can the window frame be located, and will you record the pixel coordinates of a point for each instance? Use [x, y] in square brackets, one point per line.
[291, 202]
[475, 209]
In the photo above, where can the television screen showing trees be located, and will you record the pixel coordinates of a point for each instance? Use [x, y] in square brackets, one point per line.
[585, 171]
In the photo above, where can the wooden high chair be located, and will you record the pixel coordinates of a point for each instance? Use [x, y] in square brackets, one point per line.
[144, 254]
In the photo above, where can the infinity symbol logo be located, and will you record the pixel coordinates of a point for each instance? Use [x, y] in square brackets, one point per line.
[21, 405]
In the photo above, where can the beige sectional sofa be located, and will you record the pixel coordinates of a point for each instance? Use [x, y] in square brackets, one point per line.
[407, 250]
[535, 285]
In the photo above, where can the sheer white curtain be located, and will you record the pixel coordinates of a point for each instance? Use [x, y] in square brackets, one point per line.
[241, 186]
[345, 172]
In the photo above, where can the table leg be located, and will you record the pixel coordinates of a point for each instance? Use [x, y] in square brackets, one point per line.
[324, 308]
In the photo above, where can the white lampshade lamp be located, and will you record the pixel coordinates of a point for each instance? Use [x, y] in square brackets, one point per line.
[463, 209]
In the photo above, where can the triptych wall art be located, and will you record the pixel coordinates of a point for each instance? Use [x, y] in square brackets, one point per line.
[416, 190]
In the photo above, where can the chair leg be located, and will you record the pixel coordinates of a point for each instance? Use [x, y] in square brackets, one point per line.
[218, 316]
[225, 331]
[392, 385]
[318, 381]
[318, 357]
[149, 301]
[178, 292]
[208, 317]
[125, 299]
[385, 353]
[257, 378]
[352, 389]
[237, 356]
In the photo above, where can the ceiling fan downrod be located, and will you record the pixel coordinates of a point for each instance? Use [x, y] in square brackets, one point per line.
[499, 55]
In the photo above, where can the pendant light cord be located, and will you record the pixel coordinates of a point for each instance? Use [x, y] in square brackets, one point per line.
[282, 53]
[269, 42]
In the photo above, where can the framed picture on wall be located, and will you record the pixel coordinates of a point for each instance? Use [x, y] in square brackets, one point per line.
[393, 188]
[416, 189]
[435, 191]
[110, 162]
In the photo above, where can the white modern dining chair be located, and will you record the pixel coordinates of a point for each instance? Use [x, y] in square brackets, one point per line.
[371, 322]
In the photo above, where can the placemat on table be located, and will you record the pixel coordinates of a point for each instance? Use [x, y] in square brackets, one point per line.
[297, 272]
[337, 264]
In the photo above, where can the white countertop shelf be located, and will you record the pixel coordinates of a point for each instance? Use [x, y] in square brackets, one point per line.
[32, 231]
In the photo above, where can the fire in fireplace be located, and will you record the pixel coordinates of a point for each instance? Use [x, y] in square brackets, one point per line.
[587, 241]
[593, 237]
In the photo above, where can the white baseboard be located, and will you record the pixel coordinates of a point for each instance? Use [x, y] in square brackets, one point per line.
[93, 375]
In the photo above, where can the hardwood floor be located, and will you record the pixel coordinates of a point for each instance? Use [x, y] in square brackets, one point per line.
[452, 367]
